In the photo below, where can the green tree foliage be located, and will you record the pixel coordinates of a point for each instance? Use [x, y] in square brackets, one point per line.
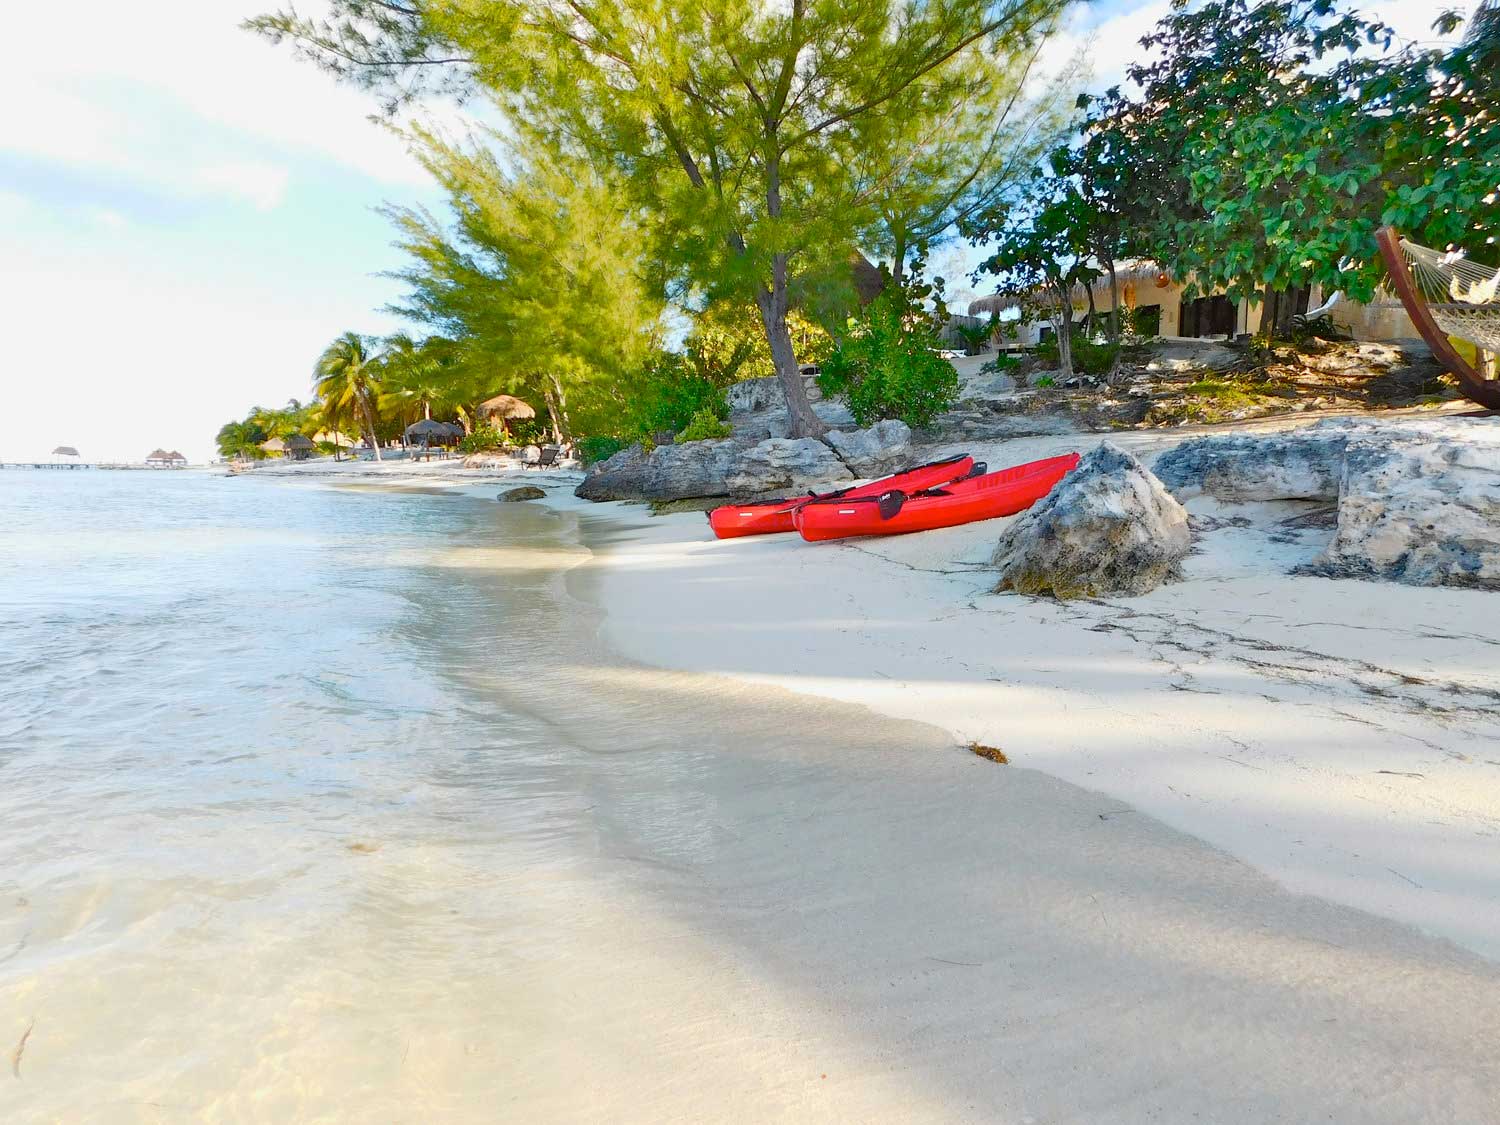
[345, 380]
[241, 440]
[537, 285]
[739, 127]
[887, 366]
[1271, 138]
[1039, 252]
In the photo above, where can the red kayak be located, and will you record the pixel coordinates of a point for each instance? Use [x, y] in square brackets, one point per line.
[767, 516]
[894, 512]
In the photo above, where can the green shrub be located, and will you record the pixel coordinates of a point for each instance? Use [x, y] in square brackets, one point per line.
[667, 395]
[1089, 358]
[601, 447]
[705, 425]
[481, 439]
[1046, 381]
[886, 366]
[1000, 364]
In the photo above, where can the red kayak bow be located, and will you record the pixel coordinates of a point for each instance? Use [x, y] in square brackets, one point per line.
[765, 517]
[895, 511]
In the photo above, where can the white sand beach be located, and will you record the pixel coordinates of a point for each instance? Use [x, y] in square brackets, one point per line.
[1240, 868]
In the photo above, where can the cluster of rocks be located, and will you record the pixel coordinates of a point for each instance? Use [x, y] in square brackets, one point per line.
[759, 459]
[1415, 502]
[1418, 502]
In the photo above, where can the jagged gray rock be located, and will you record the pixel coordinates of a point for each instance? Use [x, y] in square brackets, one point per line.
[877, 451]
[668, 472]
[1301, 464]
[790, 464]
[1423, 512]
[751, 395]
[1109, 527]
[525, 492]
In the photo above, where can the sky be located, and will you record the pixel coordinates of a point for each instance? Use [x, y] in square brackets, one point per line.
[187, 214]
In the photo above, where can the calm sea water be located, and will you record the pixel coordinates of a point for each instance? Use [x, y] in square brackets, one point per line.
[269, 779]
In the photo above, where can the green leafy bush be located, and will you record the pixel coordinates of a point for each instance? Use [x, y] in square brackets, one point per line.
[705, 425]
[600, 447]
[1089, 358]
[481, 439]
[1046, 381]
[1000, 364]
[886, 366]
[668, 395]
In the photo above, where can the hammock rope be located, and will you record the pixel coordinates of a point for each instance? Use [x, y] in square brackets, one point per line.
[1462, 296]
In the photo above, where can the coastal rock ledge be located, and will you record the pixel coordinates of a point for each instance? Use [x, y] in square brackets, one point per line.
[1109, 527]
[1418, 500]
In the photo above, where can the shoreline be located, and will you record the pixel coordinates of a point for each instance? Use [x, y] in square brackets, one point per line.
[1335, 735]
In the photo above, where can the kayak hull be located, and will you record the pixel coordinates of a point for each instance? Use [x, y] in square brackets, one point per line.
[1002, 493]
[768, 517]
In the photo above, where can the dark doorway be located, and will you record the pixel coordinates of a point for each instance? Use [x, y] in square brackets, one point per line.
[1207, 316]
[1148, 320]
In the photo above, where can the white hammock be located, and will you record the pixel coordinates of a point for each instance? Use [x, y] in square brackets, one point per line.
[1462, 296]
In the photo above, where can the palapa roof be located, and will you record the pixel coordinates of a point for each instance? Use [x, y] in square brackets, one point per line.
[333, 436]
[158, 455]
[175, 456]
[65, 451]
[505, 406]
[274, 445]
[299, 441]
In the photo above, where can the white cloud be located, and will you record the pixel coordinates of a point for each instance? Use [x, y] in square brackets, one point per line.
[261, 185]
[120, 85]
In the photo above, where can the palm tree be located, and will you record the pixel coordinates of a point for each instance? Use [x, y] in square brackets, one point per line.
[345, 379]
[241, 439]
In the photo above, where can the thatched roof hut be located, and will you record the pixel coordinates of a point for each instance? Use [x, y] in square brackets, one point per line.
[505, 407]
[299, 447]
[65, 451]
[274, 445]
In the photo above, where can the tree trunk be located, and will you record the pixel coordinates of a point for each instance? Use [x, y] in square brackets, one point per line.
[772, 303]
[552, 414]
[1114, 302]
[1088, 288]
[564, 427]
[898, 264]
[1062, 324]
[364, 406]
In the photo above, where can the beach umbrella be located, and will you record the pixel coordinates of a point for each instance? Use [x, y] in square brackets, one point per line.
[333, 437]
[455, 432]
[274, 445]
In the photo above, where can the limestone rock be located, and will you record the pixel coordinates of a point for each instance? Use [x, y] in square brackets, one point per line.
[1293, 465]
[751, 395]
[525, 492]
[784, 464]
[874, 452]
[1423, 512]
[668, 472]
[1109, 527]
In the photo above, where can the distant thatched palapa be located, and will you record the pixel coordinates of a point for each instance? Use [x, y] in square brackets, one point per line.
[299, 447]
[505, 408]
[65, 451]
[428, 432]
[161, 459]
[274, 445]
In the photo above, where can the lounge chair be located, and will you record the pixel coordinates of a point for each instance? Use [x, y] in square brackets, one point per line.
[546, 458]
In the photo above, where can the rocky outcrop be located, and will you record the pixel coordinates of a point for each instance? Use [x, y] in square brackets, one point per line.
[1424, 512]
[877, 451]
[668, 472]
[525, 492]
[1109, 527]
[1295, 465]
[1418, 499]
[785, 464]
[749, 396]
